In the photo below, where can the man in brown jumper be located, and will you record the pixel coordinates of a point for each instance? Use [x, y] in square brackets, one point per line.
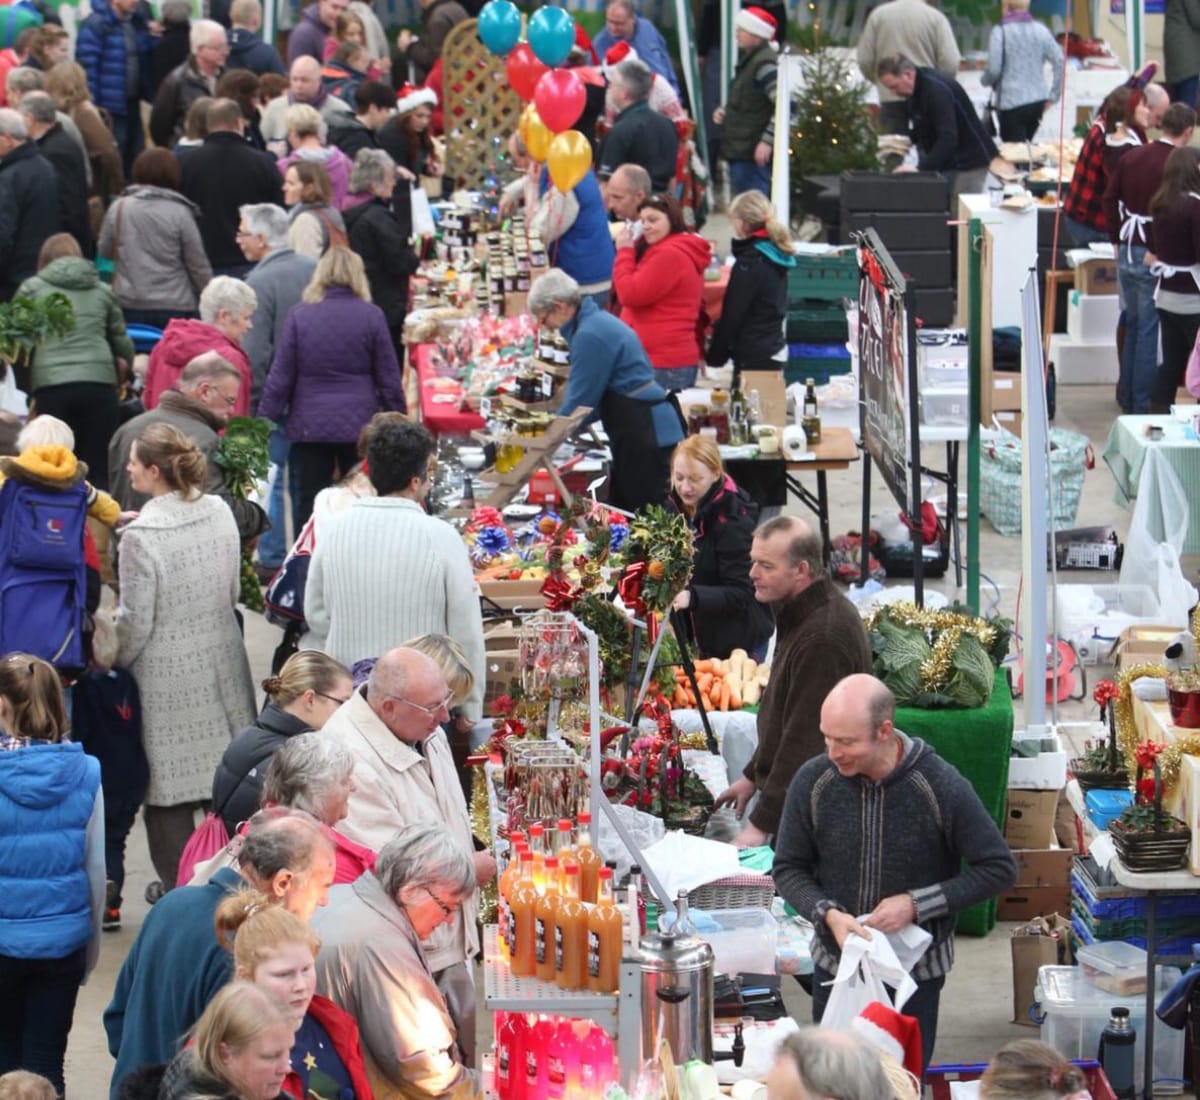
[820, 639]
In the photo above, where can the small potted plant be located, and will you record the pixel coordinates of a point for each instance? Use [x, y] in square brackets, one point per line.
[1101, 767]
[1146, 838]
[1183, 696]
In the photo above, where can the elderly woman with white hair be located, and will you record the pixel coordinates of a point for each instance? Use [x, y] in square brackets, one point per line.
[378, 237]
[226, 313]
[372, 965]
[611, 375]
[306, 135]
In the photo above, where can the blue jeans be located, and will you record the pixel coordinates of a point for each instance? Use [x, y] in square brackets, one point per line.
[1185, 91]
[745, 175]
[273, 544]
[119, 816]
[1139, 358]
[923, 1004]
[36, 1012]
[676, 378]
[1083, 235]
[601, 298]
[129, 134]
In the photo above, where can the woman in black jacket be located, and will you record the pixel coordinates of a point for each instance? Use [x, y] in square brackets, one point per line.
[309, 688]
[379, 238]
[750, 330]
[718, 608]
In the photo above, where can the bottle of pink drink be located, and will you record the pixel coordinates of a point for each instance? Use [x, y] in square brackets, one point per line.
[562, 1058]
[596, 1068]
[510, 1056]
[536, 1059]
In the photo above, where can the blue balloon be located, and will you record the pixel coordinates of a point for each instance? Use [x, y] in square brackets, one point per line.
[551, 35]
[500, 26]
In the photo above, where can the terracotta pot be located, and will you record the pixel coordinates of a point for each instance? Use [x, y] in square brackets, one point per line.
[1185, 708]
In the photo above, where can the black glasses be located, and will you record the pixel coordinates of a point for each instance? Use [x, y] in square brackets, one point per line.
[449, 910]
[333, 698]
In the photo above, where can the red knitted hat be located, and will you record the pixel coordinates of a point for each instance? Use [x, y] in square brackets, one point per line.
[895, 1034]
[756, 21]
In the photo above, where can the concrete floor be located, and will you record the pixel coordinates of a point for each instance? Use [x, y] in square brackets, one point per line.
[977, 1003]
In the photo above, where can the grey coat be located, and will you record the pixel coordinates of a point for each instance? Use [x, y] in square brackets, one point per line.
[152, 236]
[278, 281]
[1181, 40]
[372, 965]
[1018, 53]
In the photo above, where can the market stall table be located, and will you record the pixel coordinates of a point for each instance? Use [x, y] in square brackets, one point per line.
[441, 417]
[1126, 452]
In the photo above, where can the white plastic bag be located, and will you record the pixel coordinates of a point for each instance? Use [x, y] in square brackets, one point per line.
[868, 967]
[422, 215]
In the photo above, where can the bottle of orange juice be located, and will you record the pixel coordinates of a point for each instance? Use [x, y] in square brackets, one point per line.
[545, 917]
[589, 859]
[564, 850]
[537, 846]
[504, 889]
[605, 927]
[570, 937]
[524, 901]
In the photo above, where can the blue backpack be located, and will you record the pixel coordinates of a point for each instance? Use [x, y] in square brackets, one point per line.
[43, 581]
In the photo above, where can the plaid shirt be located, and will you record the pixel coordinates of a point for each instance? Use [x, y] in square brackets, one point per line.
[1084, 201]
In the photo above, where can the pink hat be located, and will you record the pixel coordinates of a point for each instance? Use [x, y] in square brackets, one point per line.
[756, 21]
[412, 96]
[889, 1031]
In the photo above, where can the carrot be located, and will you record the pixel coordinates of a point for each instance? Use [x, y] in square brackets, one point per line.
[703, 665]
[735, 698]
[705, 682]
[724, 703]
[680, 675]
[679, 699]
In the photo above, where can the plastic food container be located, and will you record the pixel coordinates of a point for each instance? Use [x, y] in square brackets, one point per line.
[1116, 967]
[1076, 1012]
[746, 941]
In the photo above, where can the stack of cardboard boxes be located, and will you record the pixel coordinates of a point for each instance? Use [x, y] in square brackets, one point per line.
[1087, 352]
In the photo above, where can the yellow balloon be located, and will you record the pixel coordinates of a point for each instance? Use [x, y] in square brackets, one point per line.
[568, 159]
[535, 133]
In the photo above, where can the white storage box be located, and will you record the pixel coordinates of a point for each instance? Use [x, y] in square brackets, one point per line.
[945, 405]
[1076, 1012]
[746, 942]
[1114, 966]
[1045, 772]
[942, 356]
[1102, 611]
[1077, 364]
[1092, 318]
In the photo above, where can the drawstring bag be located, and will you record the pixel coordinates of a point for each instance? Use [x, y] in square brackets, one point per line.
[1000, 497]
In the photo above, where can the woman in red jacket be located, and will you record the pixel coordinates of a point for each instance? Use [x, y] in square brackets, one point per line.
[659, 282]
[277, 951]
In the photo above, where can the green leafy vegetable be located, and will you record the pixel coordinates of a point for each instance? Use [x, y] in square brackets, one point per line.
[243, 454]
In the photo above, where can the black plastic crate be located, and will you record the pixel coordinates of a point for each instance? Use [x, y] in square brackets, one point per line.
[885, 192]
[930, 270]
[900, 232]
[935, 308]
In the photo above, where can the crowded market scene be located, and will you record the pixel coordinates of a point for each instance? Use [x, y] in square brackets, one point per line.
[789, 411]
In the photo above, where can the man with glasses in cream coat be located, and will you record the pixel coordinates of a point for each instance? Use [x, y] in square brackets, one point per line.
[404, 774]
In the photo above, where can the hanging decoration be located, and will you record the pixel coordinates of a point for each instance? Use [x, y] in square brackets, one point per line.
[560, 98]
[568, 159]
[524, 70]
[500, 26]
[551, 35]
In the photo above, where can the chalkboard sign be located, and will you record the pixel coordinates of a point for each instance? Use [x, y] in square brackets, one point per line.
[883, 350]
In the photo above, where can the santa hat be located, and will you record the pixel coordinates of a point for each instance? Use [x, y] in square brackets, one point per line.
[756, 21]
[621, 51]
[412, 96]
[890, 1032]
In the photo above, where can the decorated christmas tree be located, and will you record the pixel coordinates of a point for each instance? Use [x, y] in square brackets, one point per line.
[832, 130]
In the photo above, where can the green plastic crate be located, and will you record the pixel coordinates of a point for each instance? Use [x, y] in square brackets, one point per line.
[819, 370]
[828, 277]
[816, 323]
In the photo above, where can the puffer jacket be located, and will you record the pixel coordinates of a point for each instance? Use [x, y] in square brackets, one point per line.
[335, 367]
[28, 213]
[237, 783]
[336, 164]
[183, 340]
[152, 235]
[100, 49]
[661, 294]
[87, 352]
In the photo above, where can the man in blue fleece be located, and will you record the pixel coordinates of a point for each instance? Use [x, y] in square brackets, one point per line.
[880, 833]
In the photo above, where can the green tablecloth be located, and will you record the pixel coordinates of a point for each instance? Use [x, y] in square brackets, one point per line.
[1126, 451]
[978, 743]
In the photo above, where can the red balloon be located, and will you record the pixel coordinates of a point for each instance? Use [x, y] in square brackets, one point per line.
[524, 70]
[560, 97]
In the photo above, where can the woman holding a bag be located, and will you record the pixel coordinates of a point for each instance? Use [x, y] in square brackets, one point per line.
[309, 688]
[1018, 52]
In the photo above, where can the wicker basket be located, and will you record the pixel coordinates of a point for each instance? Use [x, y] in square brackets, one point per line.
[735, 892]
[1100, 780]
[1165, 848]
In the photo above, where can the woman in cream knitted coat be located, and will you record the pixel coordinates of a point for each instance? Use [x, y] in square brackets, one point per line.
[179, 636]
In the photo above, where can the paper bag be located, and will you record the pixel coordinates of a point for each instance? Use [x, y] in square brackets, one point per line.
[1042, 941]
[422, 215]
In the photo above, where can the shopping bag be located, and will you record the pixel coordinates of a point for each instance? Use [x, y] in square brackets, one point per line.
[1041, 942]
[1000, 494]
[209, 839]
[868, 968]
[422, 214]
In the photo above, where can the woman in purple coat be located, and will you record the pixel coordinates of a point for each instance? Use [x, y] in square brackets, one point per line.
[334, 369]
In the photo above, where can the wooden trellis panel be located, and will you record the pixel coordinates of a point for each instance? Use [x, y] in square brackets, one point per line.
[480, 106]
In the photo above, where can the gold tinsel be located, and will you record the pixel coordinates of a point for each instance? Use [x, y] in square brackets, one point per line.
[481, 827]
[1170, 758]
[935, 669]
[908, 614]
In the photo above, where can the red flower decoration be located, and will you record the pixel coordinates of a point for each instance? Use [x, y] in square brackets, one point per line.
[1145, 790]
[503, 705]
[1146, 753]
[1105, 691]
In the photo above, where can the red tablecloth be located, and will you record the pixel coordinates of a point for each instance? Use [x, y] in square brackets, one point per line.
[440, 417]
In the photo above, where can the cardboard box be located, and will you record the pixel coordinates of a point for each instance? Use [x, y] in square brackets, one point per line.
[1098, 276]
[1143, 644]
[1006, 392]
[1041, 942]
[509, 595]
[1027, 902]
[1077, 364]
[1045, 772]
[1042, 867]
[1092, 318]
[1009, 419]
[1029, 819]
